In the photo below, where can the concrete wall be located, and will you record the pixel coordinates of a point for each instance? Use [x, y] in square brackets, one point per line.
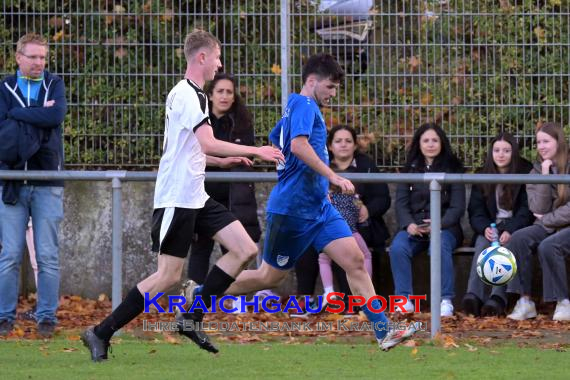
[86, 254]
[85, 240]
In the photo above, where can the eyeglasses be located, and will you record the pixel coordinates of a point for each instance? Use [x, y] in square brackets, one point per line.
[34, 57]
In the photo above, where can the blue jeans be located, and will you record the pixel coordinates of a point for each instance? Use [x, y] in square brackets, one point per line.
[45, 205]
[404, 247]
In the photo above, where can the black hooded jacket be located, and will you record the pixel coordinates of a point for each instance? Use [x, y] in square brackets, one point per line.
[238, 197]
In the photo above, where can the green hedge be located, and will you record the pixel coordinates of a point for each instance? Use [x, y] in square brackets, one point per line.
[475, 66]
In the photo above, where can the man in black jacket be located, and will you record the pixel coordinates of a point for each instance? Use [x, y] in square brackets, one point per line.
[35, 99]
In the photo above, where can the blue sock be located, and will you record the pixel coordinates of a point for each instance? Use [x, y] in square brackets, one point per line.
[378, 320]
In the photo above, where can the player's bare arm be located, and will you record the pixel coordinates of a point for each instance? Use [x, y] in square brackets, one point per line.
[228, 162]
[301, 148]
[214, 147]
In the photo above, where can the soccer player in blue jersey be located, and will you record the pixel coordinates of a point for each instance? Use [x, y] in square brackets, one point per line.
[299, 213]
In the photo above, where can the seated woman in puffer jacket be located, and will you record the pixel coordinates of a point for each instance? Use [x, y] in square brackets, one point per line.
[429, 152]
[549, 236]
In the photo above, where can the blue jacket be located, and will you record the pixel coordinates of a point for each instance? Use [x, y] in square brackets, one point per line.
[20, 141]
[47, 122]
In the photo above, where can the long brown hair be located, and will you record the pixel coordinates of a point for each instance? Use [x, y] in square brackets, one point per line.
[507, 197]
[446, 161]
[555, 131]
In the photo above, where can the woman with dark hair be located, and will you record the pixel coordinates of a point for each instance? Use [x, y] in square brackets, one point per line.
[363, 212]
[429, 152]
[550, 233]
[504, 205]
[231, 121]
[375, 197]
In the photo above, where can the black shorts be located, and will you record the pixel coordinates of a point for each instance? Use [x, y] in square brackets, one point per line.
[178, 226]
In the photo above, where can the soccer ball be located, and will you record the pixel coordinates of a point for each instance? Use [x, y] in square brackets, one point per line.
[496, 265]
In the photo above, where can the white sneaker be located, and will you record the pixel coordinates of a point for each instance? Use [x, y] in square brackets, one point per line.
[562, 312]
[261, 294]
[446, 308]
[304, 314]
[408, 306]
[524, 309]
[396, 336]
[325, 302]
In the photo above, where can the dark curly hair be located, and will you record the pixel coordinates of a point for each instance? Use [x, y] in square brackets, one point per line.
[325, 66]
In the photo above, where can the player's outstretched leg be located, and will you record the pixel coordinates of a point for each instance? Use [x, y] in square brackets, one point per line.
[190, 324]
[347, 255]
[386, 335]
[241, 250]
[97, 338]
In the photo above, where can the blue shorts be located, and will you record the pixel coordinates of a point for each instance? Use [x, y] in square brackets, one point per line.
[288, 237]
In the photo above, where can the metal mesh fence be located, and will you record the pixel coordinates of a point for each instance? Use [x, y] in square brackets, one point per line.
[476, 67]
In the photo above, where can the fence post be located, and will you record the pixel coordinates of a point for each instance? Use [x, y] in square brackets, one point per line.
[285, 30]
[435, 255]
[117, 243]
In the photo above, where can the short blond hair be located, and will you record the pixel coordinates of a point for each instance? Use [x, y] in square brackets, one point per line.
[199, 39]
[30, 38]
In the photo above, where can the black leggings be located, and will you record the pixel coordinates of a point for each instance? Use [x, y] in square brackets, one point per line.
[199, 262]
[307, 271]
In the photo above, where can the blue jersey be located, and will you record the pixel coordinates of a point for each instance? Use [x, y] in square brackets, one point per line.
[300, 191]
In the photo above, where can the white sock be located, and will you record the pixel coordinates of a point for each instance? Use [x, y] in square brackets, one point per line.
[565, 301]
[329, 289]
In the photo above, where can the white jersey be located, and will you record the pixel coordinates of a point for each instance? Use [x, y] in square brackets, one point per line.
[181, 173]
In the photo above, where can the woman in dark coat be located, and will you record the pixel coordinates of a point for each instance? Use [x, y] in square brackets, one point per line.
[429, 152]
[504, 205]
[231, 121]
[375, 201]
[375, 197]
